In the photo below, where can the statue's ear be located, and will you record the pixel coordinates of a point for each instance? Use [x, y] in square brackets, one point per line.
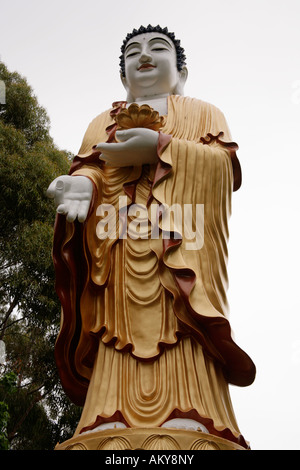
[184, 74]
[182, 78]
[130, 98]
[123, 80]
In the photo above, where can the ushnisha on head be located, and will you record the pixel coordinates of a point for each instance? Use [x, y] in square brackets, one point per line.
[152, 63]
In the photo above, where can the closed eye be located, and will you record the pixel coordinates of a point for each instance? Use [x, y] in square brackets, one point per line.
[131, 54]
[159, 49]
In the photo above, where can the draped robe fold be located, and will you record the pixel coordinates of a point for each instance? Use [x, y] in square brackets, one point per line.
[144, 333]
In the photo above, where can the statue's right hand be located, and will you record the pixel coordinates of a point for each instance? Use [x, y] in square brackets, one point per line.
[72, 196]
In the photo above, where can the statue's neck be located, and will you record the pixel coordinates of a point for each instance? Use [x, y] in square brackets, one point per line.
[157, 102]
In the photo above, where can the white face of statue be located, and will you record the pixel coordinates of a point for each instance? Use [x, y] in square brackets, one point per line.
[151, 67]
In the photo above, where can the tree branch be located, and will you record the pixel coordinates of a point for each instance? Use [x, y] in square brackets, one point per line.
[3, 325]
[13, 433]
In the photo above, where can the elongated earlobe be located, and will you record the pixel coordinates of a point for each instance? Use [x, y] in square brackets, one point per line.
[129, 98]
[184, 72]
[124, 82]
[179, 88]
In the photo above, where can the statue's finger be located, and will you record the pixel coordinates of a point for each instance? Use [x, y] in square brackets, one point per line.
[62, 209]
[51, 189]
[127, 134]
[59, 192]
[83, 210]
[72, 211]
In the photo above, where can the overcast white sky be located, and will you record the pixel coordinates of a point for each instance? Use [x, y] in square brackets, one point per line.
[244, 57]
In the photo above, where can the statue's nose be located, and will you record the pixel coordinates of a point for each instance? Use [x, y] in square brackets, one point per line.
[145, 56]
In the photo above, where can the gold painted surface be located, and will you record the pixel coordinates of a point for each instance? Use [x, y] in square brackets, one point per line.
[149, 363]
[139, 116]
[148, 439]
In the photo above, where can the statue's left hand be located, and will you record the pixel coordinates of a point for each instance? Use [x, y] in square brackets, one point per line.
[72, 196]
[135, 146]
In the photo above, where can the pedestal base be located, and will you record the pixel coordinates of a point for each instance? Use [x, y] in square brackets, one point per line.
[148, 439]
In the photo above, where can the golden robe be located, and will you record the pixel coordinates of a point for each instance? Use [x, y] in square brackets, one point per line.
[145, 335]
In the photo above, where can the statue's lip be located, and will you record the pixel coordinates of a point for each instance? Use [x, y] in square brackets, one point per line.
[146, 66]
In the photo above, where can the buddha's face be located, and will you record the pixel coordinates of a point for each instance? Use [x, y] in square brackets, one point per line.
[151, 66]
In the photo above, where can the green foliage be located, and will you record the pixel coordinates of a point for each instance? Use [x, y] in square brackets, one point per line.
[7, 386]
[34, 412]
[4, 417]
[22, 109]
